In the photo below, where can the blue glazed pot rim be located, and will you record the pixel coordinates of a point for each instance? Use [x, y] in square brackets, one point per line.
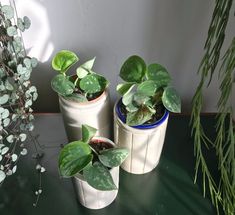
[149, 126]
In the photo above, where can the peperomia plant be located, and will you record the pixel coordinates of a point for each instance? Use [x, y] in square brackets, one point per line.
[91, 159]
[145, 91]
[84, 86]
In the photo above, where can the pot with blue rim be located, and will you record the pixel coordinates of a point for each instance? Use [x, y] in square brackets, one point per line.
[141, 115]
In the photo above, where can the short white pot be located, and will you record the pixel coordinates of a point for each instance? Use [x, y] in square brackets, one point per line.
[92, 198]
[95, 113]
[144, 144]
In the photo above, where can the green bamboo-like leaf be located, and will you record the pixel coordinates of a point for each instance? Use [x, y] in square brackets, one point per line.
[62, 85]
[113, 157]
[99, 177]
[63, 60]
[87, 133]
[74, 157]
[133, 69]
[139, 117]
[159, 74]
[171, 100]
[124, 87]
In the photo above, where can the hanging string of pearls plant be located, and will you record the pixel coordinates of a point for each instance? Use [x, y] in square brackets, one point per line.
[222, 192]
[17, 94]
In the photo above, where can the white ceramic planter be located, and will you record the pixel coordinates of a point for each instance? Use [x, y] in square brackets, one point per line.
[92, 198]
[145, 145]
[95, 113]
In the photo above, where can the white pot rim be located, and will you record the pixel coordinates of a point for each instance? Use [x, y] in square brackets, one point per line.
[86, 104]
[139, 130]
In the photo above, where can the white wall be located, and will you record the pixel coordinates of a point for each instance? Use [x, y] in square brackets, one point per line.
[170, 32]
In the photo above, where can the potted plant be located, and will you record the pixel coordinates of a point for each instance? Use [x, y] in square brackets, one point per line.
[94, 163]
[83, 97]
[141, 115]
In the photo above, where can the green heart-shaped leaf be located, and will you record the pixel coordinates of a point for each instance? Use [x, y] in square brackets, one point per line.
[74, 157]
[81, 72]
[139, 117]
[133, 69]
[62, 85]
[87, 133]
[124, 88]
[8, 11]
[90, 84]
[147, 88]
[63, 60]
[113, 157]
[99, 177]
[171, 100]
[89, 64]
[159, 74]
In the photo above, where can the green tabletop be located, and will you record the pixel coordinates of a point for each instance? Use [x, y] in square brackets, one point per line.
[168, 189]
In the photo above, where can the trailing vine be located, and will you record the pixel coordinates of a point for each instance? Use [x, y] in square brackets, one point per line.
[222, 192]
[17, 95]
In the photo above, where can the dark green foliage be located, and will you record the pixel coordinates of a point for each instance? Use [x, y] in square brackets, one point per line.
[144, 89]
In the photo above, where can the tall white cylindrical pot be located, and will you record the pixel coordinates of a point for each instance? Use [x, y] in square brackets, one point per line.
[145, 145]
[95, 113]
[92, 198]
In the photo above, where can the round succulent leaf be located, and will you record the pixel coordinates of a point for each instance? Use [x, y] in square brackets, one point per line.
[74, 157]
[9, 86]
[133, 69]
[87, 133]
[113, 157]
[2, 176]
[147, 88]
[4, 113]
[22, 137]
[99, 177]
[139, 117]
[8, 11]
[34, 62]
[24, 151]
[81, 72]
[62, 85]
[20, 24]
[171, 100]
[11, 31]
[10, 138]
[159, 74]
[63, 60]
[4, 99]
[124, 87]
[6, 122]
[27, 62]
[88, 64]
[21, 70]
[90, 84]
[4, 150]
[14, 157]
[27, 22]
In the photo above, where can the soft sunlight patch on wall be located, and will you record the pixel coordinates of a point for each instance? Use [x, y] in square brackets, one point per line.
[37, 44]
